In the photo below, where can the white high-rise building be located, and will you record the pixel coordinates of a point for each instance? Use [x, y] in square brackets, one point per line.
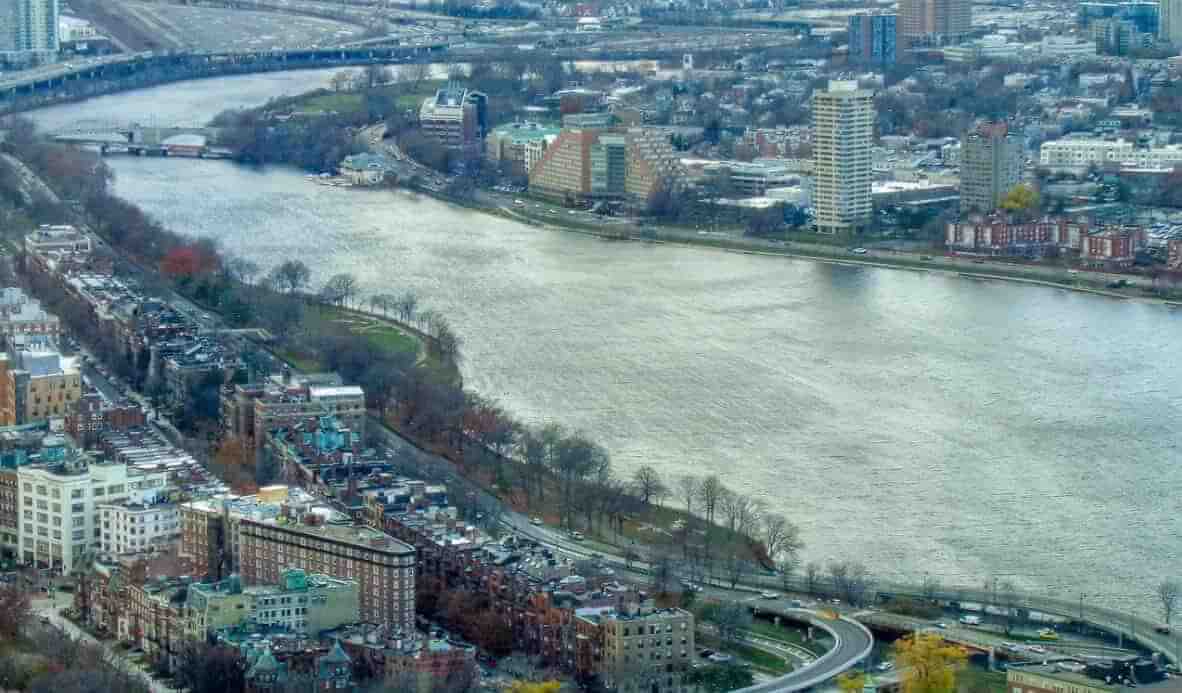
[843, 132]
[60, 518]
[29, 26]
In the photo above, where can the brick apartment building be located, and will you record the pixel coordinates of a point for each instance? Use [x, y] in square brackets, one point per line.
[383, 567]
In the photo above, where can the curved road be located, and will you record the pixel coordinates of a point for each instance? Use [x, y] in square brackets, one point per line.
[853, 643]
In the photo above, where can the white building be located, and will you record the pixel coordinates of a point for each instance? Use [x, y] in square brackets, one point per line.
[990, 48]
[29, 26]
[1080, 153]
[843, 132]
[73, 29]
[1169, 26]
[1070, 47]
[60, 524]
[130, 528]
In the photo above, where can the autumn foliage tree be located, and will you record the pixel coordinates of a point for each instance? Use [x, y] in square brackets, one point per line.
[929, 663]
[187, 262]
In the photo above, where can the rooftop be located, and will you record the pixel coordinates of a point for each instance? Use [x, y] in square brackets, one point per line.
[358, 535]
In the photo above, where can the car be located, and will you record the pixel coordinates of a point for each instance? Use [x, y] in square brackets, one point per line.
[535, 521]
[858, 251]
[970, 620]
[941, 625]
[577, 536]
[886, 666]
[1047, 634]
[720, 658]
[1037, 649]
[519, 203]
[796, 604]
[768, 594]
[45, 620]
[1163, 628]
[835, 602]
[705, 653]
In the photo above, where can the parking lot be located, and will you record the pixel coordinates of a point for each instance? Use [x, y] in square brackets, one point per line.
[208, 28]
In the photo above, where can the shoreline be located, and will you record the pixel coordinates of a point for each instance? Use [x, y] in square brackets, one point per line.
[883, 263]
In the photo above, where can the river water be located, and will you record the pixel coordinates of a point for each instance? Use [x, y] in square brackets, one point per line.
[920, 422]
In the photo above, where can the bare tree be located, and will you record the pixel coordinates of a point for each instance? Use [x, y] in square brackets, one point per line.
[780, 537]
[709, 492]
[341, 81]
[732, 619]
[1167, 593]
[741, 512]
[290, 276]
[341, 287]
[858, 583]
[688, 490]
[736, 561]
[408, 303]
[417, 73]
[839, 575]
[661, 564]
[812, 577]
[786, 566]
[242, 270]
[930, 587]
[648, 483]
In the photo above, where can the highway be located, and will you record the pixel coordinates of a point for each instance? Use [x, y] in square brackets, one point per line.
[853, 643]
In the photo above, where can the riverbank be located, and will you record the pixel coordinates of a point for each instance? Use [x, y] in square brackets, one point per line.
[827, 254]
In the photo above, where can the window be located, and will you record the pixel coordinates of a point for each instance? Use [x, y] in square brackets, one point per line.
[55, 493]
[77, 493]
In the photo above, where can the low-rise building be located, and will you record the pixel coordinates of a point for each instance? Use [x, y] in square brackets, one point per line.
[299, 603]
[1174, 254]
[635, 648]
[1078, 153]
[455, 118]
[518, 146]
[130, 528]
[250, 411]
[37, 385]
[365, 169]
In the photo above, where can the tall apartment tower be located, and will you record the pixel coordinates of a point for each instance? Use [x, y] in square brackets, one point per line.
[1169, 22]
[29, 26]
[935, 22]
[990, 165]
[873, 38]
[843, 132]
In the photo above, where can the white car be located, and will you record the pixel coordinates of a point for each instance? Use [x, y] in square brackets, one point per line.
[859, 251]
[535, 521]
[768, 594]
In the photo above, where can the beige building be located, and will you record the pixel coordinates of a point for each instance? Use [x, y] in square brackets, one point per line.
[35, 386]
[630, 164]
[934, 22]
[635, 650]
[843, 132]
[990, 166]
[565, 166]
[302, 603]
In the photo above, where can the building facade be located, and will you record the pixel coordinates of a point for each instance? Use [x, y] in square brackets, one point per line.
[455, 118]
[1079, 153]
[874, 38]
[29, 26]
[131, 528]
[843, 132]
[299, 603]
[35, 386]
[990, 166]
[383, 567]
[1169, 28]
[934, 22]
[635, 649]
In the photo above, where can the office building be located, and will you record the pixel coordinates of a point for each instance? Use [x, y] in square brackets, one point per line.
[130, 528]
[29, 26]
[631, 164]
[843, 131]
[455, 117]
[384, 567]
[518, 146]
[299, 603]
[609, 166]
[1079, 153]
[251, 410]
[60, 522]
[990, 166]
[1169, 26]
[37, 385]
[873, 38]
[934, 22]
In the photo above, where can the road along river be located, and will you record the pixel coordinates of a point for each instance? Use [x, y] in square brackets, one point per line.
[922, 423]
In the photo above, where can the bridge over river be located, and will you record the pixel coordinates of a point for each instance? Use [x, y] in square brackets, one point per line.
[134, 138]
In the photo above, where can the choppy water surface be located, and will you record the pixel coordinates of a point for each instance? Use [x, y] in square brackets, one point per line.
[926, 424]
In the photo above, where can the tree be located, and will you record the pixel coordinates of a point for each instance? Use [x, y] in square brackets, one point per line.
[376, 75]
[689, 490]
[416, 73]
[851, 682]
[535, 687]
[1021, 200]
[341, 288]
[839, 575]
[928, 664]
[812, 577]
[14, 611]
[1167, 594]
[341, 81]
[648, 484]
[732, 619]
[710, 490]
[719, 678]
[780, 537]
[206, 668]
[290, 276]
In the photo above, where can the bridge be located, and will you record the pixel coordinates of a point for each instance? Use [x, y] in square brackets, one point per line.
[852, 644]
[140, 140]
[68, 81]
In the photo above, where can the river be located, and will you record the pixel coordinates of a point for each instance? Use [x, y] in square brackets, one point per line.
[919, 422]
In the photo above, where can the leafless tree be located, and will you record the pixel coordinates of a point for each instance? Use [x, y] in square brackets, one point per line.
[839, 575]
[661, 564]
[341, 81]
[688, 490]
[417, 73]
[342, 287]
[709, 492]
[930, 587]
[741, 512]
[290, 276]
[408, 303]
[242, 270]
[1167, 594]
[858, 583]
[732, 619]
[786, 566]
[648, 483]
[736, 561]
[812, 577]
[780, 537]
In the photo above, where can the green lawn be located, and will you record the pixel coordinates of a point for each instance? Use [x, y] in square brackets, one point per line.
[790, 636]
[759, 659]
[329, 320]
[407, 97]
[341, 102]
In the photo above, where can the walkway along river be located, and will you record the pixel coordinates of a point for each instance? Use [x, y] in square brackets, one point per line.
[921, 423]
